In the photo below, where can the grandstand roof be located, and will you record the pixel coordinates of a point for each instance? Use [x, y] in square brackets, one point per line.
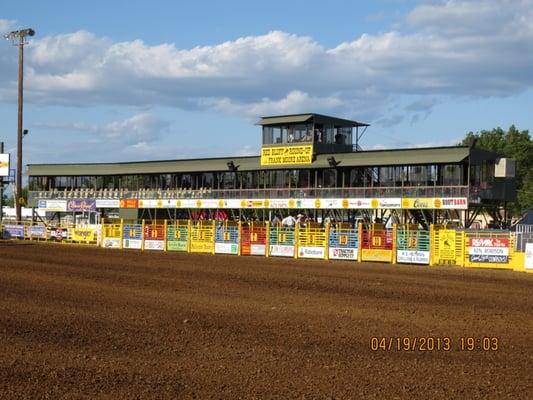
[431, 155]
[303, 118]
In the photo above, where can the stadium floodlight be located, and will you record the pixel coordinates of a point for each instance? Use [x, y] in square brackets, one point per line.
[18, 39]
[232, 167]
[332, 162]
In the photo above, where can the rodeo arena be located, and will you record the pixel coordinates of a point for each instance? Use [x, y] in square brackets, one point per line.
[312, 193]
[314, 270]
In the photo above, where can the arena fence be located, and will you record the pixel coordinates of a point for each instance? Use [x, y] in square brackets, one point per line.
[377, 243]
[227, 236]
[202, 237]
[412, 245]
[132, 236]
[254, 237]
[282, 241]
[178, 235]
[312, 242]
[343, 242]
[336, 241]
[112, 235]
[154, 235]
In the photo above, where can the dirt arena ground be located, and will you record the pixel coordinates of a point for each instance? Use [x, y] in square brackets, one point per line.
[83, 322]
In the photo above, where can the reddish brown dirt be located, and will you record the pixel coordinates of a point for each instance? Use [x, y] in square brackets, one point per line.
[83, 322]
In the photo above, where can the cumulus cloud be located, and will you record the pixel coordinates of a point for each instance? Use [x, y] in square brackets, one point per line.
[455, 47]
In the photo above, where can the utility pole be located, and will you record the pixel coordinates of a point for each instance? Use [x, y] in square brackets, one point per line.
[18, 39]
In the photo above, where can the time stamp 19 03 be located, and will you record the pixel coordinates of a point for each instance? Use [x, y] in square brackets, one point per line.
[434, 343]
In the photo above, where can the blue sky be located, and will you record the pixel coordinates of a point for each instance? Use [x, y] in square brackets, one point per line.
[137, 80]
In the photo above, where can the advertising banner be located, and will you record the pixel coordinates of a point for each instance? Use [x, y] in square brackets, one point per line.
[412, 257]
[460, 203]
[83, 234]
[53, 205]
[154, 244]
[132, 243]
[107, 203]
[81, 205]
[226, 248]
[446, 249]
[201, 247]
[488, 250]
[528, 259]
[4, 164]
[129, 203]
[14, 231]
[258, 249]
[176, 246]
[342, 253]
[377, 255]
[288, 155]
[311, 252]
[36, 232]
[280, 250]
[111, 242]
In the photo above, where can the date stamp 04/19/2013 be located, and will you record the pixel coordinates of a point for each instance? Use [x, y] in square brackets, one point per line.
[434, 343]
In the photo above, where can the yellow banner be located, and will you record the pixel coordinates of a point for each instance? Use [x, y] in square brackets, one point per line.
[446, 249]
[83, 235]
[377, 255]
[287, 155]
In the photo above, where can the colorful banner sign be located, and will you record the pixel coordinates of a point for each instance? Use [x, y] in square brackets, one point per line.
[78, 205]
[435, 203]
[4, 164]
[36, 232]
[446, 248]
[154, 244]
[287, 155]
[377, 255]
[13, 231]
[176, 245]
[257, 249]
[129, 203]
[488, 250]
[110, 242]
[84, 235]
[342, 253]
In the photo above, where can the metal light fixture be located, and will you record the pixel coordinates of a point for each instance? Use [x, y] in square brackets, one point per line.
[18, 39]
[332, 162]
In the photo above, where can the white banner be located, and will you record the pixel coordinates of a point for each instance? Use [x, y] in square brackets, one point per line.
[341, 253]
[280, 250]
[4, 164]
[311, 252]
[154, 244]
[492, 251]
[132, 243]
[111, 243]
[412, 257]
[257, 249]
[528, 258]
[107, 203]
[226, 248]
[53, 205]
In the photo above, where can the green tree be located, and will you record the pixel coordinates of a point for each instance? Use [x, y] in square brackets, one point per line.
[516, 144]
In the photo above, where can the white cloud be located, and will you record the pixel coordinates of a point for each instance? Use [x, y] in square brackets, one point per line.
[6, 25]
[456, 47]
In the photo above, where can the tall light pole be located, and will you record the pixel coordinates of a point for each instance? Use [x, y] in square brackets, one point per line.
[18, 39]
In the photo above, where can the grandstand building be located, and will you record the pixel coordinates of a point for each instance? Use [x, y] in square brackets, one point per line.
[309, 163]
